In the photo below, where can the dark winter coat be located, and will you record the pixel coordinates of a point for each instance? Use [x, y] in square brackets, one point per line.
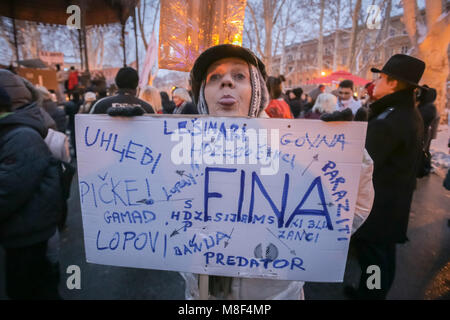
[123, 98]
[394, 142]
[428, 112]
[30, 191]
[186, 108]
[71, 108]
[296, 106]
[57, 114]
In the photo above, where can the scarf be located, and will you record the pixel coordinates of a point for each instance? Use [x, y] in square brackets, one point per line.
[258, 102]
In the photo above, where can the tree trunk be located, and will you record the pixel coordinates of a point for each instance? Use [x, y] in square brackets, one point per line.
[141, 24]
[336, 35]
[351, 53]
[433, 49]
[320, 45]
[387, 23]
[268, 26]
[283, 41]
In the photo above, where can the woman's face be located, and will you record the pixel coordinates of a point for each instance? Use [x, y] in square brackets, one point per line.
[228, 90]
[177, 100]
[291, 95]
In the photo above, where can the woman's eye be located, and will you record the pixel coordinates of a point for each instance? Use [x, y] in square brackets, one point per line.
[214, 77]
[240, 76]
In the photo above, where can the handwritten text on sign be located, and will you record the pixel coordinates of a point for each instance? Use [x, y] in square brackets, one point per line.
[257, 198]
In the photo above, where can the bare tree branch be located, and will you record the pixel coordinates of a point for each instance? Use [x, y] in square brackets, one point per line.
[141, 25]
[274, 21]
[258, 39]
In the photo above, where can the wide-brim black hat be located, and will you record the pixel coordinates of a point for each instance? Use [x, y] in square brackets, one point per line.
[405, 68]
[213, 54]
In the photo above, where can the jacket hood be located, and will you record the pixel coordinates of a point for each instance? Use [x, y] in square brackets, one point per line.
[429, 96]
[30, 116]
[16, 88]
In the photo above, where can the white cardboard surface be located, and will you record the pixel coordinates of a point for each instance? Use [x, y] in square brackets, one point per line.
[142, 210]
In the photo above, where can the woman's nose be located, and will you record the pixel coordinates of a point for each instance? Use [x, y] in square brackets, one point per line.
[227, 81]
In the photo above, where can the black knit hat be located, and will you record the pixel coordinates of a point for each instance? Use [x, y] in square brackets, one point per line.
[127, 78]
[213, 54]
[405, 68]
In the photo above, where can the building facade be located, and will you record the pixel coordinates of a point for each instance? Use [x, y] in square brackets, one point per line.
[299, 64]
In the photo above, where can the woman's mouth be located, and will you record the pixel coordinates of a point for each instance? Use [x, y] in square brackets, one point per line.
[227, 101]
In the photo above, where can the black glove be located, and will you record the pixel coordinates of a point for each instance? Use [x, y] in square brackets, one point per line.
[344, 115]
[125, 111]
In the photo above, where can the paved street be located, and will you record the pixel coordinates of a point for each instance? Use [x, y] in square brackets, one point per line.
[423, 264]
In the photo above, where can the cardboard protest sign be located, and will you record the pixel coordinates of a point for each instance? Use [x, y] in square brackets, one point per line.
[257, 198]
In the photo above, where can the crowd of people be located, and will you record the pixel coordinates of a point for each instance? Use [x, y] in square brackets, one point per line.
[37, 130]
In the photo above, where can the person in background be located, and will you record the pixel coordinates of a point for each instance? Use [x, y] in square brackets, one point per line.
[183, 103]
[313, 94]
[100, 95]
[151, 95]
[89, 100]
[71, 108]
[72, 81]
[325, 103]
[167, 105]
[307, 104]
[362, 114]
[58, 143]
[23, 93]
[345, 97]
[446, 182]
[277, 108]
[53, 96]
[30, 202]
[295, 103]
[61, 79]
[288, 96]
[430, 117]
[57, 114]
[367, 96]
[127, 80]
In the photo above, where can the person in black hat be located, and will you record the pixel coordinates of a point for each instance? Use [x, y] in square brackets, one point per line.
[394, 141]
[127, 81]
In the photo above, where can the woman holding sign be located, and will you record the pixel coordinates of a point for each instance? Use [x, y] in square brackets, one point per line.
[230, 81]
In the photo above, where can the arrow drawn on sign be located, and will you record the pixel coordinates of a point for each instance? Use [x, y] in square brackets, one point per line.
[146, 201]
[226, 242]
[182, 174]
[290, 250]
[151, 201]
[187, 224]
[315, 158]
